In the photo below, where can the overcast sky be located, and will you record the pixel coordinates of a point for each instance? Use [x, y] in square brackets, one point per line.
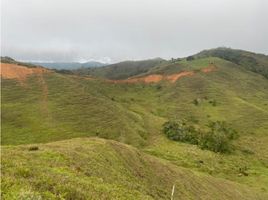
[115, 30]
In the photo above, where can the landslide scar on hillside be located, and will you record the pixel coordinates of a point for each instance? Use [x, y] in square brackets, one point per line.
[154, 78]
[18, 72]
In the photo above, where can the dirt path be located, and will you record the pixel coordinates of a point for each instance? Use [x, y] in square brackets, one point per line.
[44, 100]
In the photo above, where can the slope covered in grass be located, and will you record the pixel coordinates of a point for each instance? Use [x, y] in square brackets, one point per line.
[251, 61]
[58, 107]
[51, 107]
[121, 70]
[103, 169]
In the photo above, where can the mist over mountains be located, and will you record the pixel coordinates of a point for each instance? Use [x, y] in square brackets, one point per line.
[69, 65]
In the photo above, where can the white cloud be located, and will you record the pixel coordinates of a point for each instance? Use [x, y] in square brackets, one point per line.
[75, 30]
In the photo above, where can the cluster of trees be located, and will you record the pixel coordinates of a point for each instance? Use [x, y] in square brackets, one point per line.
[174, 60]
[217, 139]
[189, 58]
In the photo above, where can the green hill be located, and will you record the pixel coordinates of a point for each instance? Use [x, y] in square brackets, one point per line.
[121, 70]
[251, 61]
[50, 107]
[103, 169]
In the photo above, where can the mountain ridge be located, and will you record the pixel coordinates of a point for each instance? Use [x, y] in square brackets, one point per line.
[66, 117]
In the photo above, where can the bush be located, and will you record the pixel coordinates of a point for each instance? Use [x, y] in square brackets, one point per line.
[189, 58]
[213, 102]
[197, 101]
[33, 148]
[179, 131]
[158, 87]
[224, 128]
[217, 139]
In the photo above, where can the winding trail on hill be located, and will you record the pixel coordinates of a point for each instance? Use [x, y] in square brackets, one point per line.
[44, 100]
[251, 105]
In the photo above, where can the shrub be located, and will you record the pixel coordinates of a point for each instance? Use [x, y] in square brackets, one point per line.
[243, 171]
[189, 58]
[217, 139]
[222, 126]
[158, 87]
[213, 102]
[33, 148]
[179, 131]
[197, 101]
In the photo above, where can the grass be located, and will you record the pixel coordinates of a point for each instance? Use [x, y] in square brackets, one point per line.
[102, 169]
[133, 114]
[257, 63]
[121, 70]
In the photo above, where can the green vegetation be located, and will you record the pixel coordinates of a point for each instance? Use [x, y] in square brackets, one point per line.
[189, 58]
[121, 70]
[44, 110]
[217, 139]
[103, 169]
[182, 132]
[254, 62]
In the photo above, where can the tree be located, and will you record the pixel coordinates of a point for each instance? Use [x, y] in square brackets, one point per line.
[189, 58]
[218, 139]
[180, 131]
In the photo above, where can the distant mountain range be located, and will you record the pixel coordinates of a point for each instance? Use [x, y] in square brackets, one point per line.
[69, 65]
[54, 65]
[244, 59]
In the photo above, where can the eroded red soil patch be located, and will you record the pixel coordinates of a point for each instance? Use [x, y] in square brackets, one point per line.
[154, 78]
[20, 73]
[174, 77]
[208, 69]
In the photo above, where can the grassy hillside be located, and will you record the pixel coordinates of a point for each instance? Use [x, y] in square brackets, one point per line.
[58, 107]
[251, 61]
[75, 106]
[121, 70]
[103, 169]
[50, 106]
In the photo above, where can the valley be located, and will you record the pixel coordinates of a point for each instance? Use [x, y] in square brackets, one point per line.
[95, 132]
